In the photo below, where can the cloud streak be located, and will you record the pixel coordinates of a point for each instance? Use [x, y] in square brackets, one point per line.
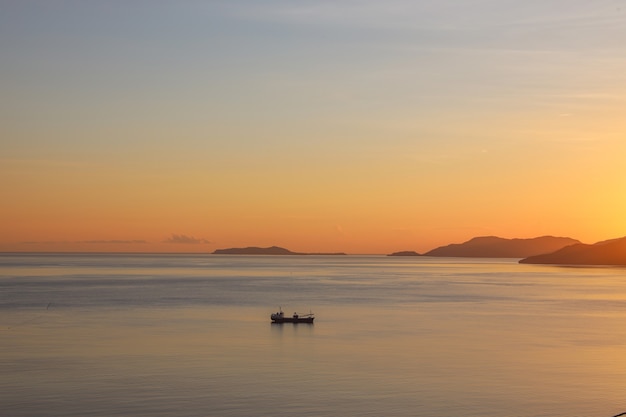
[123, 242]
[186, 240]
[85, 242]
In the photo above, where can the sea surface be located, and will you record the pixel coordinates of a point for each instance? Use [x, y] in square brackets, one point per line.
[190, 335]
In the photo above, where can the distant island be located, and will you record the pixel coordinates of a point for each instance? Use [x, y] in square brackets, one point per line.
[497, 247]
[405, 253]
[272, 250]
[539, 250]
[608, 252]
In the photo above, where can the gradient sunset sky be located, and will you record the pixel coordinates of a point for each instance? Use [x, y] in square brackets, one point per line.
[353, 126]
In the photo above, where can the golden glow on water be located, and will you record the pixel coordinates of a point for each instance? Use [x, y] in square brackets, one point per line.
[395, 337]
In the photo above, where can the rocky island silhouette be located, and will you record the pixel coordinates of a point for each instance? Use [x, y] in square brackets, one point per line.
[272, 250]
[608, 252]
[497, 247]
[539, 250]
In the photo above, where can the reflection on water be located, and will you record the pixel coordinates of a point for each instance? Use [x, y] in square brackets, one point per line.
[191, 335]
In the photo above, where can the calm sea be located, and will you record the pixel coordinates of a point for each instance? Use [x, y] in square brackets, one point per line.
[190, 335]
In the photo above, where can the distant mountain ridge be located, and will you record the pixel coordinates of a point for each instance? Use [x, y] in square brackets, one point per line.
[272, 250]
[608, 252]
[497, 247]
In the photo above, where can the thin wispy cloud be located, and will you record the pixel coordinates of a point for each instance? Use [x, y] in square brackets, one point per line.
[115, 241]
[86, 242]
[187, 240]
[480, 24]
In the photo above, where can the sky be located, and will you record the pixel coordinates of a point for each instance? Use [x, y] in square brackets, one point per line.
[362, 127]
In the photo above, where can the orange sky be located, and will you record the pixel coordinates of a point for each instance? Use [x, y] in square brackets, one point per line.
[332, 127]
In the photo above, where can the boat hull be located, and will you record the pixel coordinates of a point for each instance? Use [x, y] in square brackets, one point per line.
[293, 320]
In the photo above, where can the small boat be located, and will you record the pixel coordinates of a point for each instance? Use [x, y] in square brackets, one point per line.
[296, 318]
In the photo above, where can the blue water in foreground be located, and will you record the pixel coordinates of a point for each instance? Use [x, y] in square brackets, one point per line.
[190, 335]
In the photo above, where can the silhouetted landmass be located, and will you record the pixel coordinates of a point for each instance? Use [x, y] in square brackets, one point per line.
[273, 250]
[405, 253]
[608, 252]
[497, 247]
